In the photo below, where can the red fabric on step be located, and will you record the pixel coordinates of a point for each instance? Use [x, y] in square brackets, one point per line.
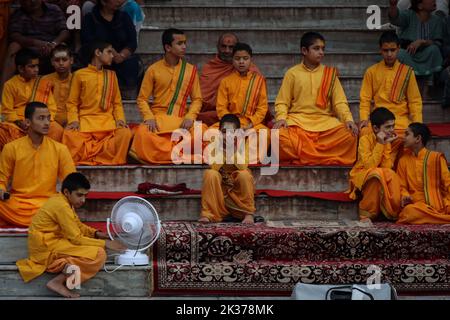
[439, 129]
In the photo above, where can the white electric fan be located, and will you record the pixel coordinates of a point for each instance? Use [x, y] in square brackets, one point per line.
[136, 224]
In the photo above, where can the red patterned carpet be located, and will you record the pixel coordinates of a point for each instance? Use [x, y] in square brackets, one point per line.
[234, 259]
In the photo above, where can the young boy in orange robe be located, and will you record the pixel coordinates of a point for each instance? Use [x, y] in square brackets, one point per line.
[21, 89]
[58, 242]
[372, 174]
[97, 132]
[169, 81]
[312, 112]
[425, 180]
[228, 186]
[30, 168]
[61, 79]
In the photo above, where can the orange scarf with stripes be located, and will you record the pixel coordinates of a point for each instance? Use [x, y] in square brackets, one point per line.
[326, 87]
[252, 95]
[186, 74]
[432, 179]
[41, 90]
[400, 84]
[108, 89]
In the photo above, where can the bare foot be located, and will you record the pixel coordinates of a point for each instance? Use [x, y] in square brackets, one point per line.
[203, 220]
[248, 219]
[57, 285]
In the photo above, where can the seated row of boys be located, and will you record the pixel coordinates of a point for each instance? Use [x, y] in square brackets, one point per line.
[417, 192]
[312, 112]
[310, 133]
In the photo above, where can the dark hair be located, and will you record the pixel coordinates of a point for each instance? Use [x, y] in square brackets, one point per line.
[61, 47]
[31, 107]
[231, 118]
[167, 36]
[380, 116]
[97, 44]
[309, 38]
[75, 181]
[389, 37]
[240, 46]
[24, 56]
[420, 129]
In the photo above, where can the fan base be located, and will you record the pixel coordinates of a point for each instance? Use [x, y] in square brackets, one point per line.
[132, 258]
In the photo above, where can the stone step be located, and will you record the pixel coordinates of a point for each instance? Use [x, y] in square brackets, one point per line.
[125, 282]
[293, 178]
[168, 208]
[330, 3]
[276, 64]
[351, 85]
[432, 111]
[297, 179]
[268, 39]
[188, 208]
[274, 15]
[14, 247]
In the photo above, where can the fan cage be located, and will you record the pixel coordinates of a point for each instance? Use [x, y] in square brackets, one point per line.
[148, 214]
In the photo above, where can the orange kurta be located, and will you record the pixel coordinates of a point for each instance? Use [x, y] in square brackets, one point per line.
[57, 237]
[315, 114]
[212, 74]
[33, 174]
[61, 90]
[246, 97]
[17, 92]
[374, 177]
[426, 179]
[95, 103]
[170, 88]
[228, 189]
[394, 88]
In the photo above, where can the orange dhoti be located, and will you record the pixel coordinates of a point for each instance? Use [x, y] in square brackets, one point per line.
[380, 193]
[336, 146]
[421, 213]
[10, 132]
[19, 209]
[98, 148]
[223, 198]
[88, 267]
[156, 147]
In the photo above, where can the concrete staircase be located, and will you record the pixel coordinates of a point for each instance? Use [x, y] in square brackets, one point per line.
[273, 29]
[313, 179]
